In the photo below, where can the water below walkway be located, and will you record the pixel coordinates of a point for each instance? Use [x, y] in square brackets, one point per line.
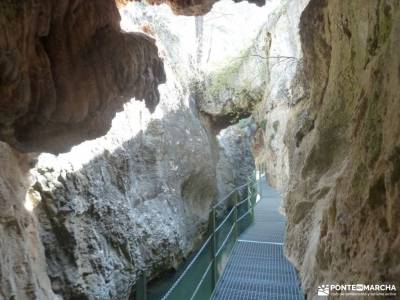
[257, 268]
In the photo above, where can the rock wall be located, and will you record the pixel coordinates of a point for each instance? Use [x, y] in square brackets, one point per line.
[134, 200]
[138, 198]
[236, 161]
[142, 206]
[343, 200]
[232, 87]
[260, 78]
[23, 272]
[282, 58]
[194, 7]
[53, 59]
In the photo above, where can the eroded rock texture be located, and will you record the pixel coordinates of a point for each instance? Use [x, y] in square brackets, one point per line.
[236, 161]
[23, 273]
[137, 199]
[230, 93]
[195, 7]
[142, 206]
[66, 68]
[282, 59]
[343, 204]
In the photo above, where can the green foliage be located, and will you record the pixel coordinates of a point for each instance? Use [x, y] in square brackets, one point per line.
[223, 79]
[226, 80]
[239, 86]
[263, 124]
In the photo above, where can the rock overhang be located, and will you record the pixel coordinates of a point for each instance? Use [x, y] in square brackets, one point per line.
[66, 68]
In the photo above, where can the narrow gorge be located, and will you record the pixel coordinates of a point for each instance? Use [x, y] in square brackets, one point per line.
[123, 124]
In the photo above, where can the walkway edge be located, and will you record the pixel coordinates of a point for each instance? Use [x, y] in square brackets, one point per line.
[257, 242]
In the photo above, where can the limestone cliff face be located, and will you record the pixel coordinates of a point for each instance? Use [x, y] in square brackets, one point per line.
[194, 7]
[138, 198]
[282, 59]
[66, 68]
[134, 200]
[230, 93]
[236, 161]
[23, 272]
[343, 202]
[141, 206]
[261, 79]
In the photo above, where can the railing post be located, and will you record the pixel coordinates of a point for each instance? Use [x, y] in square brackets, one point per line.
[214, 250]
[235, 213]
[253, 199]
[141, 287]
[258, 182]
[250, 201]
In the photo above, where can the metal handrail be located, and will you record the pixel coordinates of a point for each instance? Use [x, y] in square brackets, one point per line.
[225, 219]
[202, 279]
[226, 239]
[245, 214]
[211, 238]
[243, 201]
[188, 267]
[230, 194]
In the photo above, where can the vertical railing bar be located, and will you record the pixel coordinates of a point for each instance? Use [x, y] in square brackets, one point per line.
[236, 217]
[214, 246]
[225, 241]
[259, 181]
[253, 197]
[222, 223]
[253, 200]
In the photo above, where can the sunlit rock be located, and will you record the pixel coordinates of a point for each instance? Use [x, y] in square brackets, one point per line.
[22, 260]
[137, 199]
[282, 59]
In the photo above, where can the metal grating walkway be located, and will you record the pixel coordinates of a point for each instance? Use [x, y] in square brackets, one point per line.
[257, 268]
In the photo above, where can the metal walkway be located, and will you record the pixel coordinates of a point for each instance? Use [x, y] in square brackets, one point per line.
[257, 268]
